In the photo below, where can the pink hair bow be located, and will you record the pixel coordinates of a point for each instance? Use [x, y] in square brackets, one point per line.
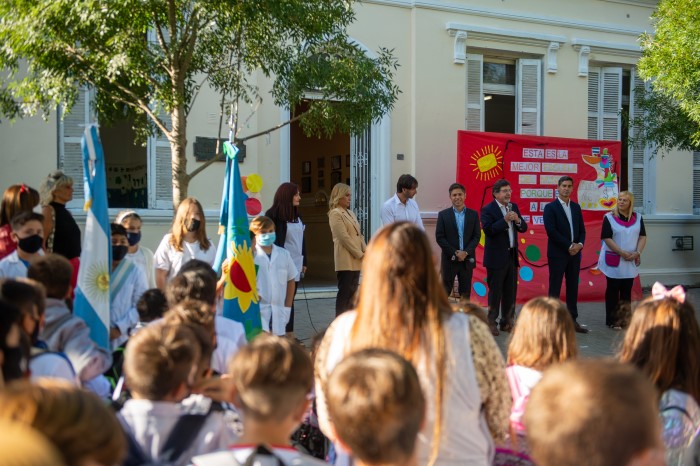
[658, 291]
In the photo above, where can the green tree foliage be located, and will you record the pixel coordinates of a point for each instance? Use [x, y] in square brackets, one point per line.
[150, 58]
[671, 60]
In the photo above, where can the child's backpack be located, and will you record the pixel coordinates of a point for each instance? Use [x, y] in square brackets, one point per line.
[184, 432]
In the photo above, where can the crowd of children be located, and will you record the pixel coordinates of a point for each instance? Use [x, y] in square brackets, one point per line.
[394, 380]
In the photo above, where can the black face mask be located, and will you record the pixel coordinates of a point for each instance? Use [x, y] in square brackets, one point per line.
[119, 252]
[13, 366]
[133, 237]
[194, 225]
[31, 244]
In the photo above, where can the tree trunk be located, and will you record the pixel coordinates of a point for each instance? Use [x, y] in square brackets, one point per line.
[178, 148]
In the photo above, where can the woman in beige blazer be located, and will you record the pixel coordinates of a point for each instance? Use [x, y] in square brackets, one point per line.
[348, 246]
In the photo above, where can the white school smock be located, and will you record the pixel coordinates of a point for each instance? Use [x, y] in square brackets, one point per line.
[273, 274]
[143, 258]
[168, 258]
[123, 313]
[626, 236]
[293, 243]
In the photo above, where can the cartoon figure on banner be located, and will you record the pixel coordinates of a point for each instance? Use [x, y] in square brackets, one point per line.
[601, 193]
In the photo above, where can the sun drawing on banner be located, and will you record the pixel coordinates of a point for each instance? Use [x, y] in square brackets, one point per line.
[241, 278]
[487, 162]
[96, 283]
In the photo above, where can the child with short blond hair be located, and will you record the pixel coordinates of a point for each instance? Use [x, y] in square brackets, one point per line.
[275, 277]
[272, 377]
[375, 400]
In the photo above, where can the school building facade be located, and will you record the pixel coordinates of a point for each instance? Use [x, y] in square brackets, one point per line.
[561, 68]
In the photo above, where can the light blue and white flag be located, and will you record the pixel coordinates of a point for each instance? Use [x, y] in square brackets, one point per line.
[92, 293]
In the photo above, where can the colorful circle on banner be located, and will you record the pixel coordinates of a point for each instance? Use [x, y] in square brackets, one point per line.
[533, 253]
[526, 274]
[254, 183]
[253, 206]
[480, 289]
[243, 183]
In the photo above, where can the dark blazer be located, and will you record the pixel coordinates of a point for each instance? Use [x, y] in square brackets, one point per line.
[557, 226]
[496, 235]
[447, 236]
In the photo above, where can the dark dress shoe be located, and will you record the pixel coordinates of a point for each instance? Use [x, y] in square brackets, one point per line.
[580, 329]
[507, 327]
[494, 329]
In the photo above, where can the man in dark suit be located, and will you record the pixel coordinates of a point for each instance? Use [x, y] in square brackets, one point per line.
[501, 222]
[457, 233]
[566, 234]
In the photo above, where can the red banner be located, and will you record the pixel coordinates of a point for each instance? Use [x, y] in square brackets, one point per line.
[532, 165]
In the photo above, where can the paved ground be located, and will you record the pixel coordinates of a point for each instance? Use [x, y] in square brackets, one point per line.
[314, 311]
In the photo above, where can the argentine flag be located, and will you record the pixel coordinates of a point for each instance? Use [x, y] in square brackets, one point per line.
[92, 293]
[241, 302]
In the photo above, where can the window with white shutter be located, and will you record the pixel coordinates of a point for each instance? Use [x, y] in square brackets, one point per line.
[475, 93]
[640, 169]
[529, 97]
[160, 179]
[503, 95]
[605, 102]
[71, 128]
[158, 161]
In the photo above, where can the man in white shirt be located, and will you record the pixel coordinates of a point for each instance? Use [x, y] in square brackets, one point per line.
[566, 235]
[401, 206]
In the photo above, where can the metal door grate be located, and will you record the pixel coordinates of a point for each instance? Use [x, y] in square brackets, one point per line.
[360, 179]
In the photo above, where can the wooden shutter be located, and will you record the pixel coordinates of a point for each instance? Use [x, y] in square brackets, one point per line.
[529, 97]
[638, 165]
[160, 172]
[71, 128]
[475, 93]
[593, 102]
[611, 103]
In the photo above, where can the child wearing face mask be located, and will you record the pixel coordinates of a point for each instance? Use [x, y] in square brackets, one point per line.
[138, 254]
[126, 285]
[275, 277]
[187, 240]
[28, 234]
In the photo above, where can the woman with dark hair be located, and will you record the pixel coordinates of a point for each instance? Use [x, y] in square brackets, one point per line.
[403, 307]
[16, 199]
[663, 341]
[289, 233]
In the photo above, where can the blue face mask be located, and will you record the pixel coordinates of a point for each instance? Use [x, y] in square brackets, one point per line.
[266, 239]
[133, 237]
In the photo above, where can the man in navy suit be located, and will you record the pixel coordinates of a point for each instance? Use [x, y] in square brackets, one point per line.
[566, 235]
[457, 233]
[501, 222]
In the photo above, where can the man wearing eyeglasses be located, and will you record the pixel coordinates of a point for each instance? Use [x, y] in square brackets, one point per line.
[501, 222]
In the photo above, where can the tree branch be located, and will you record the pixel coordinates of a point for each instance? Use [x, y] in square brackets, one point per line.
[274, 128]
